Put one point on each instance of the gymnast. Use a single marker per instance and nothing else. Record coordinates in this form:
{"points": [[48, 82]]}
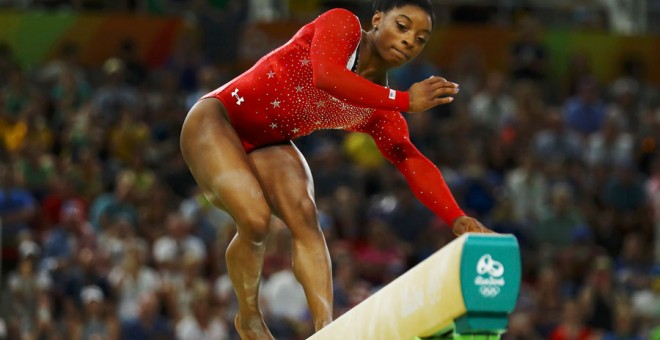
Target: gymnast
{"points": [[237, 140]]}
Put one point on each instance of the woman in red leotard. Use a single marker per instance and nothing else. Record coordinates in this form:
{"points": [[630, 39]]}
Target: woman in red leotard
{"points": [[330, 75]]}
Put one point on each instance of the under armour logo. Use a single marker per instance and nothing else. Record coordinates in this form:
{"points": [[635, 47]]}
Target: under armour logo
{"points": [[239, 99], [486, 264]]}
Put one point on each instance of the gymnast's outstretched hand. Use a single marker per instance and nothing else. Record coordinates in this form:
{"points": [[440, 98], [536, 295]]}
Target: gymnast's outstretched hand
{"points": [[465, 224], [431, 92]]}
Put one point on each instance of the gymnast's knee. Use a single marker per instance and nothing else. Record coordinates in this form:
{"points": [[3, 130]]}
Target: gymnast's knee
{"points": [[306, 208], [253, 222], [254, 226]]}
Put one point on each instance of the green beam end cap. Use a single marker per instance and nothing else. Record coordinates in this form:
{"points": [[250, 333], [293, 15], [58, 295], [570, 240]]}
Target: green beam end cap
{"points": [[490, 274]]}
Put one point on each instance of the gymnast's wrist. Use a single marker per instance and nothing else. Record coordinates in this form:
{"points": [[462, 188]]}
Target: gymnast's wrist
{"points": [[454, 217], [402, 100]]}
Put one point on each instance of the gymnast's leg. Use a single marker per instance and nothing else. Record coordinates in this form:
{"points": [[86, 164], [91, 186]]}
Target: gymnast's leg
{"points": [[220, 166], [287, 181]]}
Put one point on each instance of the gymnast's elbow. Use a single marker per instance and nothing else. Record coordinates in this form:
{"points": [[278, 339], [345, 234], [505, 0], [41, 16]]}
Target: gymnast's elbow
{"points": [[322, 77], [398, 153]]}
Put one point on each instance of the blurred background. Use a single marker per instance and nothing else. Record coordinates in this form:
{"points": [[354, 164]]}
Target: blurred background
{"points": [[555, 137]]}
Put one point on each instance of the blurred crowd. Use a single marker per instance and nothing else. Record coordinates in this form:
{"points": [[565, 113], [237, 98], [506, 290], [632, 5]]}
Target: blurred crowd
{"points": [[105, 234], [616, 16]]}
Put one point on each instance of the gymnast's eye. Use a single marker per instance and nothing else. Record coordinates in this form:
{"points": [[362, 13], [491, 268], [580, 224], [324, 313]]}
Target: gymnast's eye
{"points": [[401, 27]]}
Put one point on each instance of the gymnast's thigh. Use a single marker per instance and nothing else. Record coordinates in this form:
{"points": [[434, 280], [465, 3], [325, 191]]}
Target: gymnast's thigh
{"points": [[216, 158]]}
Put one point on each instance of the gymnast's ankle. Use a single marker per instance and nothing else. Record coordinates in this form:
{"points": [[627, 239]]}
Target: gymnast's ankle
{"points": [[252, 327]]}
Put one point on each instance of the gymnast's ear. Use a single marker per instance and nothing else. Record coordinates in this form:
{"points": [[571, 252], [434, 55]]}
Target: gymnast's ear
{"points": [[376, 20]]}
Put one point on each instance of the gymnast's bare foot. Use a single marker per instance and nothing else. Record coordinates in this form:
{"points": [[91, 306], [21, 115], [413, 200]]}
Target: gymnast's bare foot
{"points": [[252, 328]]}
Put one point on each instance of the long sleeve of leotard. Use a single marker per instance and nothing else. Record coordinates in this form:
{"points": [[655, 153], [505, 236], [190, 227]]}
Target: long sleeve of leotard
{"points": [[390, 132], [337, 34]]}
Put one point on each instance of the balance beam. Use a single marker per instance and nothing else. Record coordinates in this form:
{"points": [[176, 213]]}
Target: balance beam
{"points": [[467, 288]]}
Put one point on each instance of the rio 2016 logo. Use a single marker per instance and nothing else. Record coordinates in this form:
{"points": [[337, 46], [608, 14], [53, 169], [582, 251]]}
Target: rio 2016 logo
{"points": [[489, 276]]}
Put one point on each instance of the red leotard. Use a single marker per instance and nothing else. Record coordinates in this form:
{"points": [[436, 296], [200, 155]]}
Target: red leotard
{"points": [[307, 85]]}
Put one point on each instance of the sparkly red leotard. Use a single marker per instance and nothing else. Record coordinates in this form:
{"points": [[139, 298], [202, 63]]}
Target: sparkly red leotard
{"points": [[307, 85]]}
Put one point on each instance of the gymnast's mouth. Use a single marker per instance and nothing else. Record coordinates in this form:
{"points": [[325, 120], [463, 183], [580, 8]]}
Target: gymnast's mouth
{"points": [[400, 53]]}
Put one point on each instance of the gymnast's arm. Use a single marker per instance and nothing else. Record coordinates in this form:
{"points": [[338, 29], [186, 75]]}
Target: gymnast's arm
{"points": [[337, 34], [390, 132]]}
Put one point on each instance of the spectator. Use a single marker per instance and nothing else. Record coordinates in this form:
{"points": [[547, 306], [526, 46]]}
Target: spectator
{"points": [[529, 57], [67, 62], [145, 178], [625, 326], [69, 94], [207, 79], [521, 327], [136, 71], [180, 290], [345, 277], [585, 112], [19, 95], [90, 268], [632, 268], [30, 303], [549, 299], [202, 323], [107, 208], [558, 224], [157, 202], [62, 243], [148, 323], [597, 299], [626, 106], [493, 105], [19, 100], [96, 322], [36, 169], [556, 143], [579, 67], [171, 248], [528, 116], [478, 184], [129, 137], [609, 146], [210, 223], [572, 325], [186, 58], [88, 171], [645, 304], [61, 190], [382, 257], [527, 187], [653, 193], [623, 189], [17, 208], [407, 218], [135, 283], [286, 303], [503, 221], [114, 94], [468, 69]]}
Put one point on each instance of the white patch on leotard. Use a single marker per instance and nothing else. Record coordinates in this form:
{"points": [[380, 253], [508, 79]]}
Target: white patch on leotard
{"points": [[352, 60]]}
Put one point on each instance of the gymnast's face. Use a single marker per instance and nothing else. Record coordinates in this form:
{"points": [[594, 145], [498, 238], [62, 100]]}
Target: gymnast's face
{"points": [[401, 33]]}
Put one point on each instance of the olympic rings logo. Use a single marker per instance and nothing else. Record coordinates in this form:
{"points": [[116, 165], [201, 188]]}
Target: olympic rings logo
{"points": [[489, 291], [487, 265]]}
